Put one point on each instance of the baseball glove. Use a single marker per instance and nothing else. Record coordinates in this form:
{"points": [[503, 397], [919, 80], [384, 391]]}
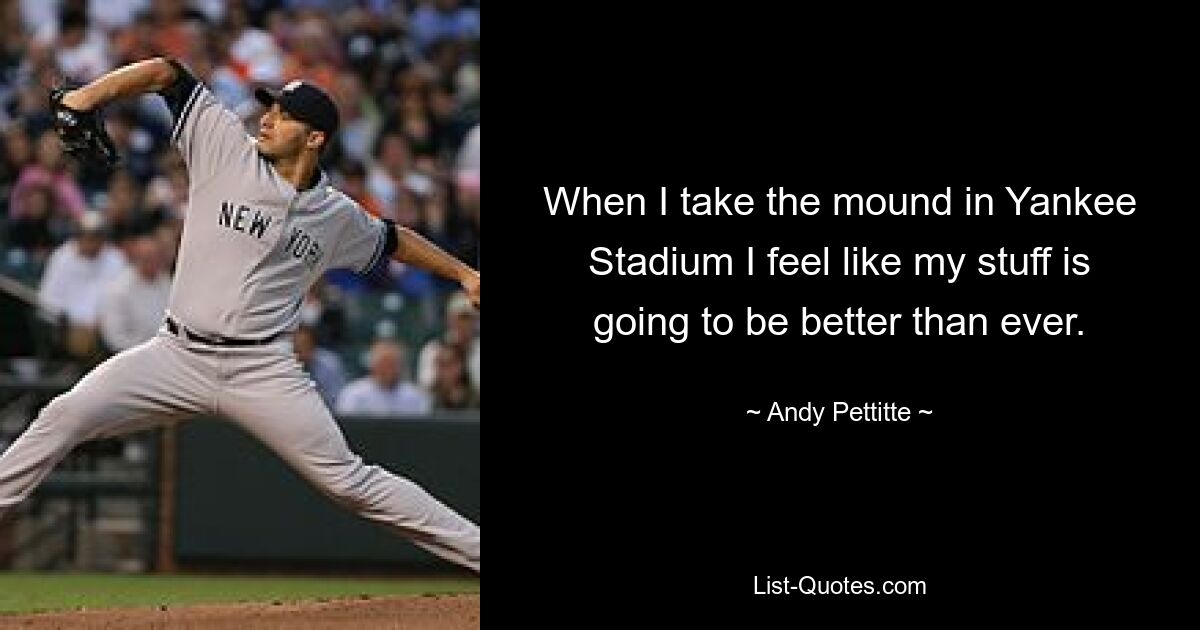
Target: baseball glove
{"points": [[82, 133]]}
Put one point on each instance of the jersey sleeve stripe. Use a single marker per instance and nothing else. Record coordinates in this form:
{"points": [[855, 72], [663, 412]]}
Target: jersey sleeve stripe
{"points": [[391, 242], [187, 109]]}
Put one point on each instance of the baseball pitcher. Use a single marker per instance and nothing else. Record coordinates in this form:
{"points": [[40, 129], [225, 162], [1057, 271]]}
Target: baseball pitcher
{"points": [[262, 224]]}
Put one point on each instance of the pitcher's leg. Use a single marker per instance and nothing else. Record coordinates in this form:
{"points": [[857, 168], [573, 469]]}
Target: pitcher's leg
{"points": [[298, 427], [58, 428], [133, 390]]}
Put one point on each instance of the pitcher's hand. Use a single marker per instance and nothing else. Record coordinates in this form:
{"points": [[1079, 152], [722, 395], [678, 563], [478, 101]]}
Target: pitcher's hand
{"points": [[470, 284]]}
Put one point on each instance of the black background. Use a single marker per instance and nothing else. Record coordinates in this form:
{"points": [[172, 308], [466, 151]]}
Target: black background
{"points": [[630, 486]]}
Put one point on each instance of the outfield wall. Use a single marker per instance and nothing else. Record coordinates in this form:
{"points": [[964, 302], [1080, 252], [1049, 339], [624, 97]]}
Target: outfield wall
{"points": [[236, 502]]}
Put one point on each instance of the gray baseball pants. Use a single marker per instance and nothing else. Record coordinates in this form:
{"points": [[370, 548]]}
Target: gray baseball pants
{"points": [[264, 391]]}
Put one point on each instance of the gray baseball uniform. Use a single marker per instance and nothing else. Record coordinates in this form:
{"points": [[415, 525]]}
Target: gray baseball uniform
{"points": [[252, 245]]}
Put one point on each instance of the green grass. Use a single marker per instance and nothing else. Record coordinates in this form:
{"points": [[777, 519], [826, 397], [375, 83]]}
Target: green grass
{"points": [[42, 592]]}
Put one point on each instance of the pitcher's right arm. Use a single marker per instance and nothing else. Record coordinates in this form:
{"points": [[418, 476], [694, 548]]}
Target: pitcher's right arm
{"points": [[208, 135], [150, 75]]}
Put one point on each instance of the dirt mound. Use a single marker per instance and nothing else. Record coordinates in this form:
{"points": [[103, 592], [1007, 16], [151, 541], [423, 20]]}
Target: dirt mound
{"points": [[440, 612]]}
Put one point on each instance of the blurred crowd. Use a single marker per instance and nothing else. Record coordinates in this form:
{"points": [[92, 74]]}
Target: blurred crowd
{"points": [[405, 75]]}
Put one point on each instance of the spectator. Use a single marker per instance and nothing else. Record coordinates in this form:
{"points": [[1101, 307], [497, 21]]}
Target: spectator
{"points": [[443, 19], [362, 120], [408, 209], [137, 41], [74, 281], [442, 225], [168, 191], [418, 129], [392, 174], [280, 25], [213, 11], [18, 152], [114, 15], [41, 228], [373, 45], [466, 181], [253, 53], [435, 221], [451, 389], [211, 65], [462, 332], [133, 305], [323, 311], [119, 207], [467, 169], [312, 55], [445, 58], [17, 155], [49, 171], [322, 365], [413, 80], [354, 184], [449, 126], [168, 234], [81, 52], [37, 13], [31, 107], [384, 392], [466, 83], [412, 281], [174, 36], [134, 141], [123, 210]]}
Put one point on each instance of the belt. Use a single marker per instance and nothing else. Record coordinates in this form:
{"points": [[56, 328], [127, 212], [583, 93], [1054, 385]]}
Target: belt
{"points": [[180, 331]]}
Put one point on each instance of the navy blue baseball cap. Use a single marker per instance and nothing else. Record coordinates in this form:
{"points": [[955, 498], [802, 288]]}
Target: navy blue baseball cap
{"points": [[305, 102]]}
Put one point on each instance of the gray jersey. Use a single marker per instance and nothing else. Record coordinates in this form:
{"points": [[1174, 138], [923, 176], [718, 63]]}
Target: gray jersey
{"points": [[252, 244]]}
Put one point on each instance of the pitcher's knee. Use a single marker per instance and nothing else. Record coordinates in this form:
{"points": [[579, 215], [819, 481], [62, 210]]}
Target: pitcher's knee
{"points": [[348, 486], [364, 489]]}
